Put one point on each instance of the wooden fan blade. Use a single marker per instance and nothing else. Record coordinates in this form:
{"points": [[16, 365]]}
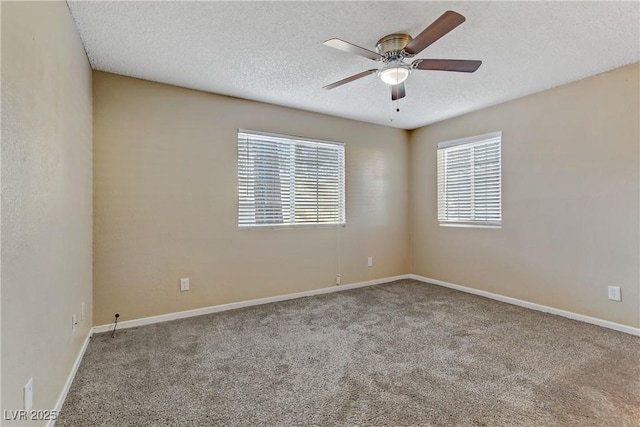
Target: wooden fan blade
{"points": [[460, 65], [349, 79], [397, 91], [352, 48], [441, 26]]}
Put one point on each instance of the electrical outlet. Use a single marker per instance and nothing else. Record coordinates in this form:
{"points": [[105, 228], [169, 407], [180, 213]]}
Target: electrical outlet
{"points": [[614, 293], [370, 261], [74, 323], [184, 284], [338, 279], [28, 395]]}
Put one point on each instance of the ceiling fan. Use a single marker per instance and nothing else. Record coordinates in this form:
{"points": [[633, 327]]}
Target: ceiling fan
{"points": [[393, 49]]}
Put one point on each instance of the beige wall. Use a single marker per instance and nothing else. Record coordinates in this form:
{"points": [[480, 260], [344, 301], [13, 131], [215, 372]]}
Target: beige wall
{"points": [[165, 203], [571, 188], [46, 199]]}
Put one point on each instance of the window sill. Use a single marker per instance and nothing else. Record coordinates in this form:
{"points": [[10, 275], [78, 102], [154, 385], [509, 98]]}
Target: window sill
{"points": [[289, 226], [469, 225]]}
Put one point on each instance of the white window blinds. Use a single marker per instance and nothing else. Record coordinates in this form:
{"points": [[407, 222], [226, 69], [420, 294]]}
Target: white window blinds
{"points": [[285, 180], [470, 181]]}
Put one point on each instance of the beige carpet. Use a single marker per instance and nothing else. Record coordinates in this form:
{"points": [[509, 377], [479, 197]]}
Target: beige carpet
{"points": [[398, 354]]}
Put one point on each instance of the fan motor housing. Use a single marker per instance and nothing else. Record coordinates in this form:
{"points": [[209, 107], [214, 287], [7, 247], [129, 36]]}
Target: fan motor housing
{"points": [[392, 43]]}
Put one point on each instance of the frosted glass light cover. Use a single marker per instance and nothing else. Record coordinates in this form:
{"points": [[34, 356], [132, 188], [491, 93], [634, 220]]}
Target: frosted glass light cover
{"points": [[394, 75]]}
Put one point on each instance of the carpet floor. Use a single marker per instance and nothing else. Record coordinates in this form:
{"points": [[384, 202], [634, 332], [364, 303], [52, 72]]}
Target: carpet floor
{"points": [[399, 354]]}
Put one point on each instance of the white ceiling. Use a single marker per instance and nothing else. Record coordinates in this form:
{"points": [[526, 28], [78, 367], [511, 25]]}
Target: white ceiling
{"points": [[273, 51]]}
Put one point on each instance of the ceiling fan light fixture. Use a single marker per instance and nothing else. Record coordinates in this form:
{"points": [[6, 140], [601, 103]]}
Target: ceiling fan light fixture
{"points": [[394, 75], [393, 49]]}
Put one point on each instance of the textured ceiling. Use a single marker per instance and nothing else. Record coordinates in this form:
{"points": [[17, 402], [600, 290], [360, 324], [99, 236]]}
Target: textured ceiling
{"points": [[273, 51]]}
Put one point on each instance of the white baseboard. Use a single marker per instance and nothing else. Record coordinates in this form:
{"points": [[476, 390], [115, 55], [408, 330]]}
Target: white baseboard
{"points": [[539, 307], [231, 306], [71, 376], [234, 305]]}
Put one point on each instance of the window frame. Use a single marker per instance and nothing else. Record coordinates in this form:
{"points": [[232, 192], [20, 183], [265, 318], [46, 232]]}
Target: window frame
{"points": [[293, 225], [469, 141]]}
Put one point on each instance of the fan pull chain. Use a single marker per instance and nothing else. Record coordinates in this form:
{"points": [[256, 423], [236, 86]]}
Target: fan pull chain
{"points": [[397, 109]]}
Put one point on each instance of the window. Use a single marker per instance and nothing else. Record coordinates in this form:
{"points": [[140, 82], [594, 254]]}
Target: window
{"points": [[285, 180], [470, 181]]}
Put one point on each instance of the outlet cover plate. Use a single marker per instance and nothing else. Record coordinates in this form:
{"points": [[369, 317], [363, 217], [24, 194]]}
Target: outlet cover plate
{"points": [[614, 293], [28, 395], [184, 284]]}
